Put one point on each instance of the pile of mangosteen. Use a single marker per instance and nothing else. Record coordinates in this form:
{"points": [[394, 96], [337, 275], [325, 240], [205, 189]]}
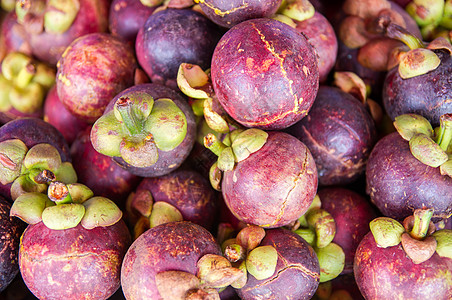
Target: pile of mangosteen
{"points": [[225, 149]]}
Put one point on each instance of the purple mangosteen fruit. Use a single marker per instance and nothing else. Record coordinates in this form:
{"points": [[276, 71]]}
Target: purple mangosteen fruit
{"points": [[173, 246], [340, 133], [352, 214], [228, 13], [186, 190], [51, 26], [127, 17], [14, 36], [171, 37], [56, 114], [148, 129], [74, 244], [265, 74], [103, 176], [405, 169], [269, 179], [409, 261], [10, 231], [92, 70]]}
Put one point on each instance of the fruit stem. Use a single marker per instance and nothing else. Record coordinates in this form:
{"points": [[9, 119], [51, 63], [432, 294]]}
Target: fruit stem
{"points": [[59, 193], [421, 223], [124, 107], [25, 75], [213, 144], [445, 134], [40, 177], [397, 32]]}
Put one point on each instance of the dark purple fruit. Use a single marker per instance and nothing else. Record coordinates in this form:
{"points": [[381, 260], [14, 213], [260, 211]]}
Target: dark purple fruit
{"points": [[73, 263], [297, 270], [175, 246], [83, 83], [10, 231], [265, 74], [171, 37], [228, 13], [340, 133]]}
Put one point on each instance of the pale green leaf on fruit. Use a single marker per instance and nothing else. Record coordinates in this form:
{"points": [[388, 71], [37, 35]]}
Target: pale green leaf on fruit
{"points": [[215, 176], [239, 283], [307, 234], [213, 119], [63, 216], [299, 10], [29, 207], [100, 212], [407, 125], [261, 262], [322, 222], [42, 156], [331, 261], [12, 153], [426, 12], [23, 185], [163, 212], [209, 262], [79, 192], [446, 20], [446, 168], [137, 106], [226, 160], [427, 151], [5, 88], [8, 5], [139, 153], [167, 123], [13, 63], [107, 135], [284, 19], [189, 80], [444, 242], [66, 173], [418, 62], [387, 232], [151, 3], [60, 15], [28, 99], [248, 142], [45, 76]]}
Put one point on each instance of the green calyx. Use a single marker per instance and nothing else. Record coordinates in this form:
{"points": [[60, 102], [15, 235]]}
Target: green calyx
{"points": [[432, 147], [432, 16], [299, 10], [30, 14], [65, 206], [138, 128], [151, 3], [24, 83], [32, 170], [60, 14], [331, 261]]}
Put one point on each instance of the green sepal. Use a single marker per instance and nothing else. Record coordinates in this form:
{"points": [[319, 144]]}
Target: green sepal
{"points": [[407, 125], [387, 232], [23, 185], [163, 212], [12, 153], [107, 135], [66, 173], [418, 62], [444, 242], [100, 212], [261, 262], [60, 15], [79, 192], [248, 142], [226, 160], [64, 216], [42, 156], [29, 207], [190, 78], [331, 261], [427, 151]]}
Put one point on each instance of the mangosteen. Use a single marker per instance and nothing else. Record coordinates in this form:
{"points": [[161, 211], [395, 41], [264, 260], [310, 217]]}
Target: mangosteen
{"points": [[92, 70], [228, 13], [265, 74], [148, 129], [14, 36], [409, 261], [173, 36]]}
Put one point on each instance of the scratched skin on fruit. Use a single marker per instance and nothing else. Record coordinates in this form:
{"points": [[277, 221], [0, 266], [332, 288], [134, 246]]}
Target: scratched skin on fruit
{"points": [[265, 74], [297, 270], [171, 246], [273, 186], [73, 263], [388, 273]]}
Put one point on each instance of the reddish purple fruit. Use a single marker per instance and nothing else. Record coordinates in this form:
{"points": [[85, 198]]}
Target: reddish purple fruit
{"points": [[14, 36], [340, 133], [73, 263], [265, 74], [273, 186], [173, 246], [297, 270], [83, 83], [228, 13]]}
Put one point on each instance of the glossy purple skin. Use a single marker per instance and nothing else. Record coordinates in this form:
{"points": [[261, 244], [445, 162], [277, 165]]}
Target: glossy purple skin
{"points": [[228, 13], [73, 263], [428, 95], [398, 183], [320, 33], [168, 160], [57, 114], [93, 69], [127, 17], [340, 133], [388, 273], [265, 74], [171, 37], [99, 172], [188, 191], [297, 270], [33, 131], [92, 17], [170, 246], [352, 214], [11, 229], [275, 185]]}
